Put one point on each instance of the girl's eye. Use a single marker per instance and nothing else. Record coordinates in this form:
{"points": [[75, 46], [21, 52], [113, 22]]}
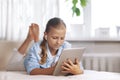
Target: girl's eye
{"points": [[54, 37], [62, 38]]}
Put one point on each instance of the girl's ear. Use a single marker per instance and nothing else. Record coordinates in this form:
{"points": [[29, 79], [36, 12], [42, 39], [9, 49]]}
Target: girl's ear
{"points": [[45, 35]]}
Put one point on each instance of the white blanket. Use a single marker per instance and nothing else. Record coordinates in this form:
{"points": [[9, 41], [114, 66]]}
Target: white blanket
{"points": [[88, 75]]}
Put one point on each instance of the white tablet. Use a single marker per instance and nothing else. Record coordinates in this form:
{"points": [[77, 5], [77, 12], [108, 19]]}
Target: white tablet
{"points": [[71, 53]]}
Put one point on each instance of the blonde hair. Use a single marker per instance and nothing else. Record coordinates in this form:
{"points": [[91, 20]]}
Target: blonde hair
{"points": [[52, 23], [43, 52]]}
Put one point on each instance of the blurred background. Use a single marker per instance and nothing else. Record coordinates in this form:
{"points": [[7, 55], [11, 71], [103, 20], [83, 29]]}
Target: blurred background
{"points": [[97, 28]]}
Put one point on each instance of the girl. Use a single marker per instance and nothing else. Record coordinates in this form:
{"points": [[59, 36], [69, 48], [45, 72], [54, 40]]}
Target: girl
{"points": [[44, 54]]}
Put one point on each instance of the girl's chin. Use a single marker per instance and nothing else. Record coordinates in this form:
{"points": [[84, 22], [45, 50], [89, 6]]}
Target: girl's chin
{"points": [[56, 48]]}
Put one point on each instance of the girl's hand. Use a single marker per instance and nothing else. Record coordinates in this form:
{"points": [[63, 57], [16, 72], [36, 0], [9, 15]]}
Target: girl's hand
{"points": [[73, 68], [33, 33]]}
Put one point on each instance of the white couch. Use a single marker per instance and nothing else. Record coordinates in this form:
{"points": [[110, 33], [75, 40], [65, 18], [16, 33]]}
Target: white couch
{"points": [[6, 48]]}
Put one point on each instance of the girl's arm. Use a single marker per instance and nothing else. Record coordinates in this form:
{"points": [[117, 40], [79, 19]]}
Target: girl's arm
{"points": [[32, 66], [45, 71]]}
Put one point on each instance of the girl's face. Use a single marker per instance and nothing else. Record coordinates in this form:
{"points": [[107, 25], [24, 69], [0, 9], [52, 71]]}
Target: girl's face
{"points": [[55, 37]]}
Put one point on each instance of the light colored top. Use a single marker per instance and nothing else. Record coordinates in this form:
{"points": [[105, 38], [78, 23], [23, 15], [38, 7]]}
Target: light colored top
{"points": [[32, 59]]}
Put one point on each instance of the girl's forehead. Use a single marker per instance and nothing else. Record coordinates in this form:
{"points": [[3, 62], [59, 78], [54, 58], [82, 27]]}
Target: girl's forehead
{"points": [[60, 31]]}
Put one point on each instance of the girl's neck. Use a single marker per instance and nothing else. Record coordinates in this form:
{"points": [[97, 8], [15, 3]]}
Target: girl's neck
{"points": [[53, 51]]}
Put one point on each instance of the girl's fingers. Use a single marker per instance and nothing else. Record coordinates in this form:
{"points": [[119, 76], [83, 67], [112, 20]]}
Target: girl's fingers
{"points": [[70, 62], [76, 61], [65, 68], [66, 64]]}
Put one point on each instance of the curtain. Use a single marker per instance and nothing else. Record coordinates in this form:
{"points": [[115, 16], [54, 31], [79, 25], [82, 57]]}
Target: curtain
{"points": [[17, 15]]}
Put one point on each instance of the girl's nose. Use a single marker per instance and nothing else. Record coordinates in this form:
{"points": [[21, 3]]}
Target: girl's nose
{"points": [[58, 41]]}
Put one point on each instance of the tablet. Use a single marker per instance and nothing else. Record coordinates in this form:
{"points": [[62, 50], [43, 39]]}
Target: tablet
{"points": [[70, 53]]}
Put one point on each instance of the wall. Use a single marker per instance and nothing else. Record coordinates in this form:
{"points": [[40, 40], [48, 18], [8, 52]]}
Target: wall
{"points": [[94, 45]]}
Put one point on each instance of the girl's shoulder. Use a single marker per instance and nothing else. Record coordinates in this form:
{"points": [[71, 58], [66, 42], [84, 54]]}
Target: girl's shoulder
{"points": [[36, 45], [35, 48]]}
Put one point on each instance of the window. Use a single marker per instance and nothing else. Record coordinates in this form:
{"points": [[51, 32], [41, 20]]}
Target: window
{"points": [[74, 23], [97, 14], [65, 12], [105, 14]]}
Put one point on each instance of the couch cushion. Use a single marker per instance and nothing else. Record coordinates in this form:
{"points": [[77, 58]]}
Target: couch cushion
{"points": [[6, 48]]}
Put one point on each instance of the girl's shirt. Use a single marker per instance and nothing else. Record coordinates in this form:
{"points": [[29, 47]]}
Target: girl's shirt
{"points": [[33, 57]]}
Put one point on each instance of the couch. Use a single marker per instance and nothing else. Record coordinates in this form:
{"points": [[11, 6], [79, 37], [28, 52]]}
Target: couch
{"points": [[6, 48]]}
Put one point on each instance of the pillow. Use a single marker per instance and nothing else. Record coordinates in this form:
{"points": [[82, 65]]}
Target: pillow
{"points": [[15, 62]]}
